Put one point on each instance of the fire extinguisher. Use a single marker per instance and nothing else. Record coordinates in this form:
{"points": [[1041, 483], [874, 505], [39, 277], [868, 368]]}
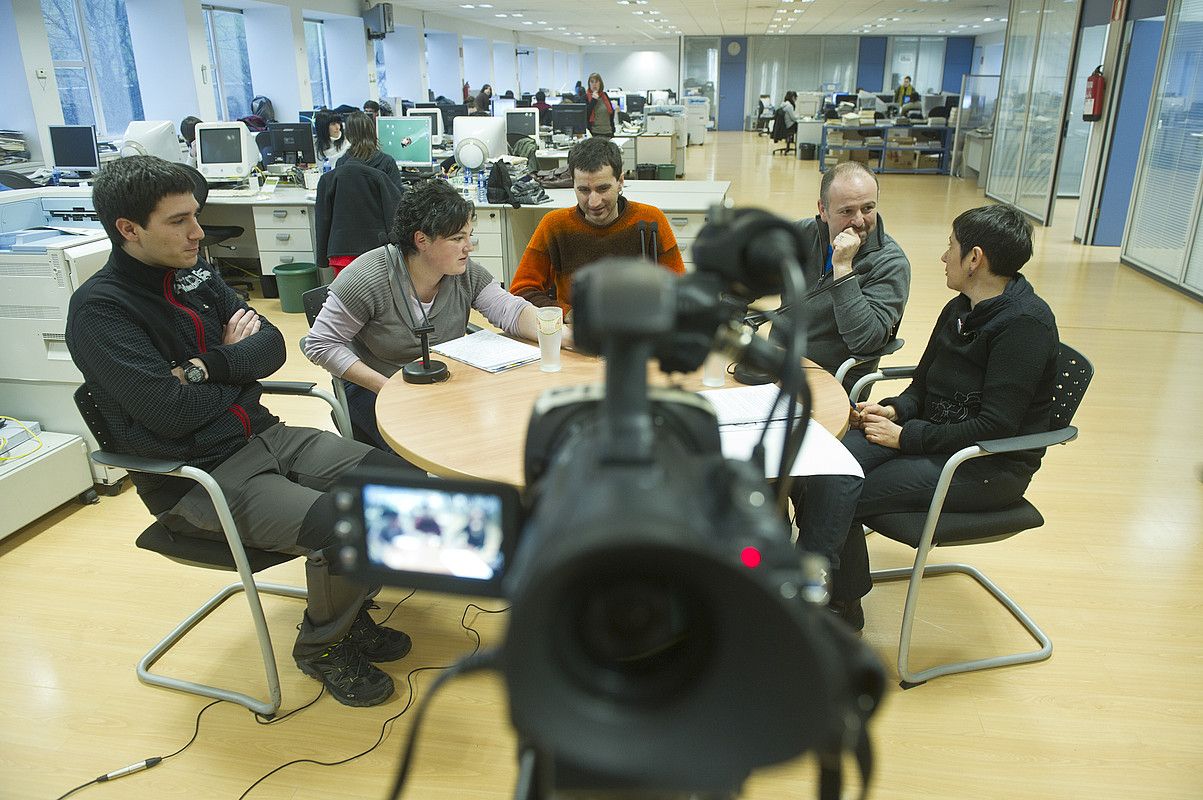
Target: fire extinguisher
{"points": [[1096, 87]]}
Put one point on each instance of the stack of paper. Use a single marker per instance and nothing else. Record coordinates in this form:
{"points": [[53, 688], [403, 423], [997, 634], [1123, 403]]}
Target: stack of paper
{"points": [[741, 414], [488, 351]]}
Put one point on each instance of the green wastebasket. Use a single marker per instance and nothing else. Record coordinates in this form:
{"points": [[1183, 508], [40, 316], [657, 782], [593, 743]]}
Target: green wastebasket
{"points": [[666, 172], [293, 280]]}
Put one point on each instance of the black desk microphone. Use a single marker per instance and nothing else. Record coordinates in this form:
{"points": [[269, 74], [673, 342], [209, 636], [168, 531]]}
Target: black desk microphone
{"points": [[425, 371]]}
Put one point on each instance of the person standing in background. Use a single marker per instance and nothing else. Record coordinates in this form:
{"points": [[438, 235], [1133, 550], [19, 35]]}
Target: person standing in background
{"points": [[600, 108], [906, 93]]}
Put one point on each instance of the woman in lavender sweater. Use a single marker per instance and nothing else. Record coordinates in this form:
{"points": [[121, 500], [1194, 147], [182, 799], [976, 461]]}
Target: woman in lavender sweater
{"points": [[365, 331]]}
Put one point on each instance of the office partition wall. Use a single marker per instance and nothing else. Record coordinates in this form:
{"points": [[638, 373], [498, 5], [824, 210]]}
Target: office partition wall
{"points": [[1041, 38], [1162, 234]]}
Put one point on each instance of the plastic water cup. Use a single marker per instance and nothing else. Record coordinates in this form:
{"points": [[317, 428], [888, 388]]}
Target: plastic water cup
{"points": [[551, 331], [714, 370]]}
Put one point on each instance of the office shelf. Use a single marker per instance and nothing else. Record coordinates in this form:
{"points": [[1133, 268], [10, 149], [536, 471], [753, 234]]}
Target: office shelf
{"points": [[914, 155]]}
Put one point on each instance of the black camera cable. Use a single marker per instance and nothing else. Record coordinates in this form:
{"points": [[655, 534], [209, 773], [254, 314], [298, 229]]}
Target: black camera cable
{"points": [[409, 680]]}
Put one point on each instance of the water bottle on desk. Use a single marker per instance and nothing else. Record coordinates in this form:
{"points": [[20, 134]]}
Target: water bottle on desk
{"points": [[482, 187], [55, 177]]}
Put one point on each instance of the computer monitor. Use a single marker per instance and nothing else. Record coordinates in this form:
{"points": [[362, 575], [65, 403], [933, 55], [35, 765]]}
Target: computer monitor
{"points": [[426, 105], [479, 139], [225, 151], [450, 113], [845, 98], [570, 118], [502, 105], [152, 138], [524, 101], [521, 122], [619, 101], [406, 140], [74, 148], [635, 103], [292, 143], [660, 97], [931, 101], [436, 121]]}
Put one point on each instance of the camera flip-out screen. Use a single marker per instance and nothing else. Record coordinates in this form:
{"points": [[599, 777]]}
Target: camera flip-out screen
{"points": [[429, 533]]}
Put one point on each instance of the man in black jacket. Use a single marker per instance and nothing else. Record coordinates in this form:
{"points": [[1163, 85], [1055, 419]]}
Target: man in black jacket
{"points": [[173, 359]]}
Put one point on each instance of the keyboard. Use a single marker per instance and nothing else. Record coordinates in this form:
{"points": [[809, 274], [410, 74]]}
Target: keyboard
{"points": [[245, 191]]}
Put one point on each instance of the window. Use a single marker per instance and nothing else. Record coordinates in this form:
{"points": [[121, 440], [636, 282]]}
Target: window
{"points": [[93, 63], [381, 83], [319, 70], [229, 65]]}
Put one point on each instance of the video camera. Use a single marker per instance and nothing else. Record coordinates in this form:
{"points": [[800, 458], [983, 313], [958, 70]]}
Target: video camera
{"points": [[665, 636]]}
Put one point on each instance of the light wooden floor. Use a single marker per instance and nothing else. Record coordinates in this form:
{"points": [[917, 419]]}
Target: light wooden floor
{"points": [[1115, 577]]}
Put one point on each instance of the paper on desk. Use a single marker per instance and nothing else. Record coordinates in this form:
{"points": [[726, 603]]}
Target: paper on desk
{"points": [[744, 405], [821, 453], [489, 351]]}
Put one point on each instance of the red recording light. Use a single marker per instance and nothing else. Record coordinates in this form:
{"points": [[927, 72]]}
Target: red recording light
{"points": [[750, 556]]}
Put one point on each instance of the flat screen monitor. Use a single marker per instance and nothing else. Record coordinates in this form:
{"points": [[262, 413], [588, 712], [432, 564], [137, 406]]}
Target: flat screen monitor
{"points": [[292, 143], [502, 105], [152, 138], [524, 102], [426, 105], [74, 148], [478, 140], [845, 98], [660, 97], [635, 103], [522, 122], [931, 101], [436, 121], [450, 113], [570, 118], [405, 139], [225, 151]]}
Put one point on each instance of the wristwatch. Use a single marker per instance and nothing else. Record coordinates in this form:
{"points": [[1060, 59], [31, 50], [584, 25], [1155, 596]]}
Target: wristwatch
{"points": [[193, 373]]}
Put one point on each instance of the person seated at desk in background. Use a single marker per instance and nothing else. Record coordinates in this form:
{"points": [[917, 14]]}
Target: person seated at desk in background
{"points": [[363, 146], [366, 330], [789, 111], [172, 358], [599, 107], [603, 223], [328, 136], [988, 372], [482, 104], [906, 93], [371, 108], [188, 131], [541, 104]]}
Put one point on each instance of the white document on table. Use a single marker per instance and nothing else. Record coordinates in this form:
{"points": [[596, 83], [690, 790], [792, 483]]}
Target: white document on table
{"points": [[741, 414], [489, 351]]}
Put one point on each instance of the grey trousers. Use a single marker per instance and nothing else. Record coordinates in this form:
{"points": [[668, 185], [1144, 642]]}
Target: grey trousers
{"points": [[276, 487]]}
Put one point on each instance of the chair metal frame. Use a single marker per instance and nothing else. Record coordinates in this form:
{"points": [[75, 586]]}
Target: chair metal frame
{"points": [[246, 583], [855, 360], [920, 569]]}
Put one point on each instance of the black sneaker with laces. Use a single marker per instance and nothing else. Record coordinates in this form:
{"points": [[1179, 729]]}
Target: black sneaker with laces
{"points": [[376, 642], [348, 675]]}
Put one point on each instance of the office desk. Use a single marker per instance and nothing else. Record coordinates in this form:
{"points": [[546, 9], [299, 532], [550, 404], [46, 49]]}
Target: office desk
{"points": [[474, 424], [279, 227]]}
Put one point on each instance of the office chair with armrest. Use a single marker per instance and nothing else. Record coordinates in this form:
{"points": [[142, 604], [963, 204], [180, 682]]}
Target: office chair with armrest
{"points": [[231, 555], [15, 180], [781, 132], [217, 235], [937, 528], [857, 359]]}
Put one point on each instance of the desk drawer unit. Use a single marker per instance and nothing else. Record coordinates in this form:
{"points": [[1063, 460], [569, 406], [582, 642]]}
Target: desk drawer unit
{"points": [[487, 221], [284, 235], [685, 227], [495, 265]]}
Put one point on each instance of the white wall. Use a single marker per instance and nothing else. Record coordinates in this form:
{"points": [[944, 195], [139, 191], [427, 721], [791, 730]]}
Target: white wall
{"points": [[444, 70], [646, 68], [505, 68], [403, 58], [478, 64], [279, 68], [159, 33], [32, 103], [988, 53], [348, 61]]}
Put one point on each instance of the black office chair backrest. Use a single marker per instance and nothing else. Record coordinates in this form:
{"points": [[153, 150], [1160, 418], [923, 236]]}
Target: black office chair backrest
{"points": [[1074, 372], [86, 404], [15, 180], [313, 300]]}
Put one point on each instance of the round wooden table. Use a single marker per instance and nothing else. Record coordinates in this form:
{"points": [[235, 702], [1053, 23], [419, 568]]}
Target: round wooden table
{"points": [[473, 425]]}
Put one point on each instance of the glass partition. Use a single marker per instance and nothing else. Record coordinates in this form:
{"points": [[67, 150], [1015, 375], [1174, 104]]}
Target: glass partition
{"points": [[701, 68], [1023, 27]]}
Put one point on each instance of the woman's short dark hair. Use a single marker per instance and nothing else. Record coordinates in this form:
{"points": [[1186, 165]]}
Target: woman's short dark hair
{"points": [[360, 130], [131, 188], [1002, 231], [188, 128], [431, 207], [594, 153]]}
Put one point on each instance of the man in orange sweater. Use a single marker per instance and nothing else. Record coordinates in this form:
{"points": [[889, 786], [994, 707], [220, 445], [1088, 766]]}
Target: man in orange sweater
{"points": [[603, 223]]}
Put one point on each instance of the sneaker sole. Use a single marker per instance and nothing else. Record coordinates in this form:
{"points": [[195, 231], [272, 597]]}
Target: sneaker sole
{"points": [[356, 702]]}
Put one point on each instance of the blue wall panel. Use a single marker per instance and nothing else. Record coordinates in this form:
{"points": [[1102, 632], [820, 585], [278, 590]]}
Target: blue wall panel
{"points": [[871, 66], [732, 72], [958, 61]]}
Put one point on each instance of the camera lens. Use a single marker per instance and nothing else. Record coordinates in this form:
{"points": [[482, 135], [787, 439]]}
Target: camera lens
{"points": [[638, 636]]}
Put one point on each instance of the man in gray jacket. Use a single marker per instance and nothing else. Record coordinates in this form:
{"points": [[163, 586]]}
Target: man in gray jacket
{"points": [[857, 277]]}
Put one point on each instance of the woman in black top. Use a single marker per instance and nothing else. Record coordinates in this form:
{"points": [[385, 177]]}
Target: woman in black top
{"points": [[988, 372], [360, 132]]}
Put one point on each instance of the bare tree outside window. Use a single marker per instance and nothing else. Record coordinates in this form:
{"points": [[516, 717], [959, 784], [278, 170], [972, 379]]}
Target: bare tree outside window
{"points": [[319, 70], [381, 86], [93, 63], [228, 62]]}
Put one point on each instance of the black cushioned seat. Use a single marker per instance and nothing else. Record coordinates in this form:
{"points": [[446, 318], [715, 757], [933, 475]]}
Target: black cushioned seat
{"points": [[197, 552], [964, 528]]}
